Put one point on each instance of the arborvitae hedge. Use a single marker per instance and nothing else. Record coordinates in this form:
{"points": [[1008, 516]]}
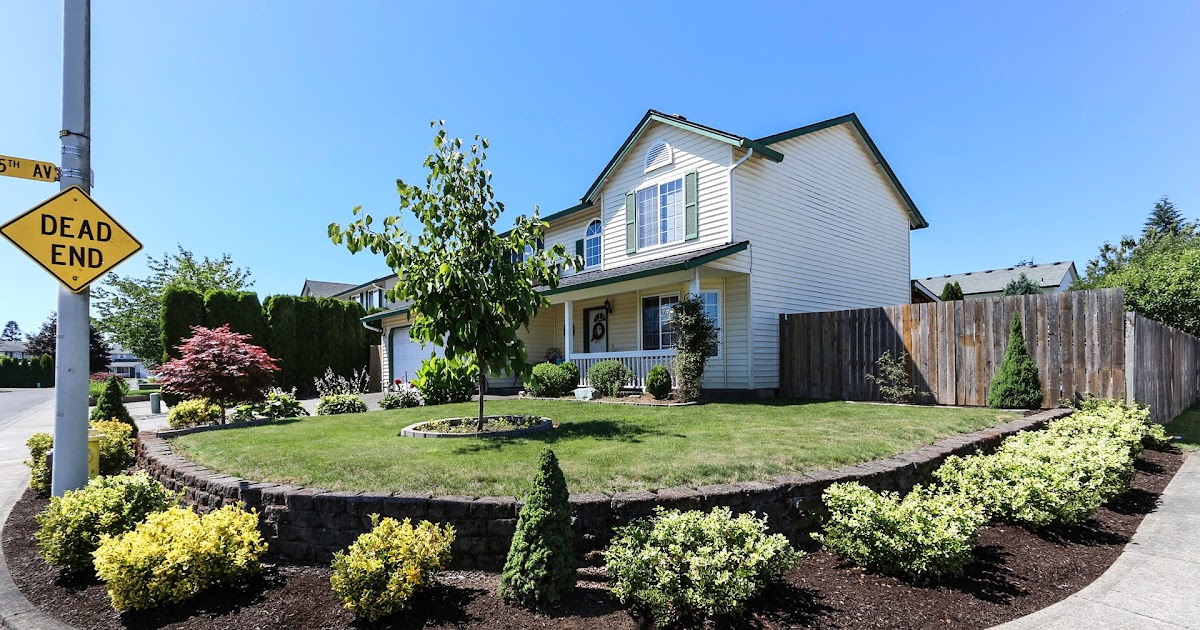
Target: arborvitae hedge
{"points": [[306, 335], [541, 565], [280, 313], [1016, 384], [182, 308], [239, 309], [31, 372]]}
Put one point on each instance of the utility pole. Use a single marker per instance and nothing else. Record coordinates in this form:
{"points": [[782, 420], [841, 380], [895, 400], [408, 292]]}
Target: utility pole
{"points": [[70, 467]]}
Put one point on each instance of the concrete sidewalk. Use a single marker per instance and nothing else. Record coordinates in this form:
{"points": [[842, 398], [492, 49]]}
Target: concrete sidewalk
{"points": [[1155, 584]]}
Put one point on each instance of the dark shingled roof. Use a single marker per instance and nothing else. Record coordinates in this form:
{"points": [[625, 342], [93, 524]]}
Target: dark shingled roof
{"points": [[317, 288], [655, 266], [1046, 275]]}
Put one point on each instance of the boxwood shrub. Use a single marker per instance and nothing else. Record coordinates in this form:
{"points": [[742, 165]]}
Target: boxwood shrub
{"points": [[609, 376], [658, 382], [683, 567], [385, 568], [550, 380]]}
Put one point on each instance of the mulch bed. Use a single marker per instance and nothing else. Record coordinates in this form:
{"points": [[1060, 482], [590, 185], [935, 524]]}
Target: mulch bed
{"points": [[1016, 573]]}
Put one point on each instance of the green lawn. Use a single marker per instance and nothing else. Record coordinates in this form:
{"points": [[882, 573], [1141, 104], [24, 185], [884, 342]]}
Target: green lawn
{"points": [[601, 447], [1187, 426]]}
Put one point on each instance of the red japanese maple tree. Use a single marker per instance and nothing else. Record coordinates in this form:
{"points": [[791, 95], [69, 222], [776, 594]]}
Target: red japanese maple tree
{"points": [[220, 365]]}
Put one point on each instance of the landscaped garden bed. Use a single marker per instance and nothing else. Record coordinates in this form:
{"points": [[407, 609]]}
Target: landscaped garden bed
{"points": [[1015, 572], [493, 427]]}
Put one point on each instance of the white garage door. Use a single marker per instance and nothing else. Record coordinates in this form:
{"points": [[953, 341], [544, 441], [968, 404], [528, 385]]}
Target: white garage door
{"points": [[408, 355]]}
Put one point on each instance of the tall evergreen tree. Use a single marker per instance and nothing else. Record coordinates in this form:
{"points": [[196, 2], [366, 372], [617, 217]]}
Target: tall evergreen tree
{"points": [[541, 566], [1016, 384], [45, 341], [1023, 285], [1166, 220], [12, 332], [952, 291]]}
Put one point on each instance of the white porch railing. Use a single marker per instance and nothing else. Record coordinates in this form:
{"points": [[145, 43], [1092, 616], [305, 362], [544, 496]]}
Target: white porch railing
{"points": [[640, 361]]}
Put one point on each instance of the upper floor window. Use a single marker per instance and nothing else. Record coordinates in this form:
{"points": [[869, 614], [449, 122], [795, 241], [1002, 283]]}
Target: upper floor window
{"points": [[660, 213], [591, 244], [659, 154]]}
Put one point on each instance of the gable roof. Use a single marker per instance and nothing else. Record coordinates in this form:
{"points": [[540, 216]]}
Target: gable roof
{"points": [[12, 346], [916, 219], [1047, 275], [318, 288]]}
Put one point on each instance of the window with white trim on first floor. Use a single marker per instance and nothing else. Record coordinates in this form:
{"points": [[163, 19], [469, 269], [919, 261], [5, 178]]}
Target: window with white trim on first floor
{"points": [[660, 213], [657, 331]]}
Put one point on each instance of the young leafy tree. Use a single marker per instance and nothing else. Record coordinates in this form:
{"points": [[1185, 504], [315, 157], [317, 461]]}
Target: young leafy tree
{"points": [[540, 568], [1016, 384], [130, 308], [220, 365], [110, 404], [46, 342], [1023, 285], [952, 291], [470, 287], [12, 332], [695, 341]]}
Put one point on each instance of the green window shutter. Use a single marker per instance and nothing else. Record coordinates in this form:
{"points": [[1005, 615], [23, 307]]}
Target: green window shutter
{"points": [[579, 247], [691, 207], [630, 223]]}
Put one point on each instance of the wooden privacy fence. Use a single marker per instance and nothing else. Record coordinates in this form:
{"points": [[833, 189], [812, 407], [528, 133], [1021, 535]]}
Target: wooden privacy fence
{"points": [[1083, 342]]}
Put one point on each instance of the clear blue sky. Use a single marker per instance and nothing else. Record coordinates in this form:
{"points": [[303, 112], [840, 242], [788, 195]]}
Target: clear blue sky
{"points": [[1028, 129]]}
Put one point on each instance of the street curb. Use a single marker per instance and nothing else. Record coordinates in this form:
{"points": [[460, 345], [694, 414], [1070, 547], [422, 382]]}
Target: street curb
{"points": [[16, 612]]}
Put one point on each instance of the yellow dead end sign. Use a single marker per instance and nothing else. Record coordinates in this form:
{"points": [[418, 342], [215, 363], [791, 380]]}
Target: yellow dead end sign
{"points": [[72, 237]]}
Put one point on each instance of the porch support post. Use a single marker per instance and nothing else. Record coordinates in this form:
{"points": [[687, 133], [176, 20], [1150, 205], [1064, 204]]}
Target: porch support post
{"points": [[568, 326], [694, 285]]}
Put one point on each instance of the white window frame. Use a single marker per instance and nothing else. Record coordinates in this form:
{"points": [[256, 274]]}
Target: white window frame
{"points": [[641, 319], [659, 242], [720, 308], [599, 237]]}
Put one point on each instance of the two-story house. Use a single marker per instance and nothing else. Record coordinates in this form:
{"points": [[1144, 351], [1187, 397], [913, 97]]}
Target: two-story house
{"points": [[809, 219]]}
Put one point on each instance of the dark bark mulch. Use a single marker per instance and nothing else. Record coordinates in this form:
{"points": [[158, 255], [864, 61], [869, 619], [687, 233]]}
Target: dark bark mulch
{"points": [[1016, 573]]}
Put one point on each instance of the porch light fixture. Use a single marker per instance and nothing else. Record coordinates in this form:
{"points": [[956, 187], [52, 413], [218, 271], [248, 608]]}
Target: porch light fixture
{"points": [[607, 307]]}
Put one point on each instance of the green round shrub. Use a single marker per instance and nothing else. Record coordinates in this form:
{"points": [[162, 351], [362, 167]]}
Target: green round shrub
{"points": [[335, 404], [194, 412], [550, 380], [70, 528], [682, 567], [609, 376], [658, 382], [442, 380], [572, 375], [381, 571]]}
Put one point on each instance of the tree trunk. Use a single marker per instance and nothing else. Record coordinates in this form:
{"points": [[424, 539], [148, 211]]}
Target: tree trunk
{"points": [[479, 425]]}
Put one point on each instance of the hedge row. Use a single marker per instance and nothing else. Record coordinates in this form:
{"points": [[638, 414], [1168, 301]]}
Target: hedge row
{"points": [[304, 334], [28, 372]]}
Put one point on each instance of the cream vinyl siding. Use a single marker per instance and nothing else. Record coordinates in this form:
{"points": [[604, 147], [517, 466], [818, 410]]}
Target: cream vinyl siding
{"points": [[826, 233], [693, 152], [569, 229]]}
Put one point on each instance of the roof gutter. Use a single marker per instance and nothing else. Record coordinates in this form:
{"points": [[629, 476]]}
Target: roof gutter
{"points": [[749, 152]]}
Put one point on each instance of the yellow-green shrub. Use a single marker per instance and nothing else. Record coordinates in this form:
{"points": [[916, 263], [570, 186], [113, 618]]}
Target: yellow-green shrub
{"points": [[70, 528], [190, 413], [116, 445], [383, 569], [39, 469], [176, 554]]}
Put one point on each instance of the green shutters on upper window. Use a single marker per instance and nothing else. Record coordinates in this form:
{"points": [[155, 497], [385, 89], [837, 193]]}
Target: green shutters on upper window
{"points": [[630, 224], [579, 248], [691, 210]]}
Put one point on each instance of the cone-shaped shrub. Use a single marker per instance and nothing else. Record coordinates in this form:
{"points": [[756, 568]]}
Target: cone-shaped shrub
{"points": [[541, 566], [1016, 384], [952, 291], [110, 405]]}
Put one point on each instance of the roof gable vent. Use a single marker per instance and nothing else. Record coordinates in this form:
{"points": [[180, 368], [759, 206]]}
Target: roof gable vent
{"points": [[658, 155]]}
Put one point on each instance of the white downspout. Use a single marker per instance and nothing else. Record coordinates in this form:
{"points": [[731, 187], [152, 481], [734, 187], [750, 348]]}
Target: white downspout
{"points": [[749, 152], [749, 303]]}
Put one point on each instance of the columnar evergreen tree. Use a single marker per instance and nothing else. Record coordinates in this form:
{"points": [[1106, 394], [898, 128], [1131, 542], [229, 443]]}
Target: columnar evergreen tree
{"points": [[1023, 285], [1016, 384], [182, 308], [541, 567], [952, 291], [110, 405], [695, 341]]}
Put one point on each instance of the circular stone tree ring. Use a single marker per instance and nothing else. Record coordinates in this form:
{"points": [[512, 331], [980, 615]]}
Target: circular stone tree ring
{"points": [[458, 427]]}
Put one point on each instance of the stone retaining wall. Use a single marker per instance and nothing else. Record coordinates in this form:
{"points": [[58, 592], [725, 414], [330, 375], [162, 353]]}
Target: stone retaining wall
{"points": [[311, 524]]}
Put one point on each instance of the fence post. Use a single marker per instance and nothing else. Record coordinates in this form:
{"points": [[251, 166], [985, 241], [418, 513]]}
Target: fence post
{"points": [[1131, 360]]}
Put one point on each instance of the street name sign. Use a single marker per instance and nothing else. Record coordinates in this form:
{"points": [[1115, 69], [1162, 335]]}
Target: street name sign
{"points": [[28, 169], [72, 237]]}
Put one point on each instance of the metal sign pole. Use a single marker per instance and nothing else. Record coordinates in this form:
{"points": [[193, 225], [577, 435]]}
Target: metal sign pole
{"points": [[70, 466]]}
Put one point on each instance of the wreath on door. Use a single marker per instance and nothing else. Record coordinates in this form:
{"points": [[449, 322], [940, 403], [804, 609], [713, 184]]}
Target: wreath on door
{"points": [[598, 331]]}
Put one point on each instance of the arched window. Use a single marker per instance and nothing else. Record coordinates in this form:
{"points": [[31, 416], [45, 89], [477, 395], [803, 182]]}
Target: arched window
{"points": [[591, 244]]}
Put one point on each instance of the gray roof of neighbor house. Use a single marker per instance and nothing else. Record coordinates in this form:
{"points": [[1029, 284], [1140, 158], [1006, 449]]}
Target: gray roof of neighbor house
{"points": [[12, 346], [1047, 275], [317, 288]]}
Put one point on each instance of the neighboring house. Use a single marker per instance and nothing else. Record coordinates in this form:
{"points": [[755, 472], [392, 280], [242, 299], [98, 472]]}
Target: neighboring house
{"points": [[125, 364], [370, 294], [922, 295], [1053, 277], [12, 349], [811, 219], [317, 288]]}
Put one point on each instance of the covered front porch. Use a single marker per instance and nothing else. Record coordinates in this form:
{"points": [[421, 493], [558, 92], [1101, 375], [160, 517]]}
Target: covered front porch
{"points": [[624, 315]]}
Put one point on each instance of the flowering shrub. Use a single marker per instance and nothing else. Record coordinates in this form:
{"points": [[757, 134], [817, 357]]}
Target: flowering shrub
{"points": [[381, 571], [279, 404], [408, 396], [190, 413], [331, 384], [928, 534], [175, 554], [685, 566], [70, 528], [220, 365], [335, 404]]}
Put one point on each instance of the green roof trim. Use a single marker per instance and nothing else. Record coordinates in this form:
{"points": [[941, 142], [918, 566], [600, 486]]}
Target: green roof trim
{"points": [[917, 219], [645, 273], [384, 315], [569, 211]]}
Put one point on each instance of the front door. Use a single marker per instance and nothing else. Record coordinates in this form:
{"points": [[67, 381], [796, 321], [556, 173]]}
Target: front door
{"points": [[595, 338]]}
